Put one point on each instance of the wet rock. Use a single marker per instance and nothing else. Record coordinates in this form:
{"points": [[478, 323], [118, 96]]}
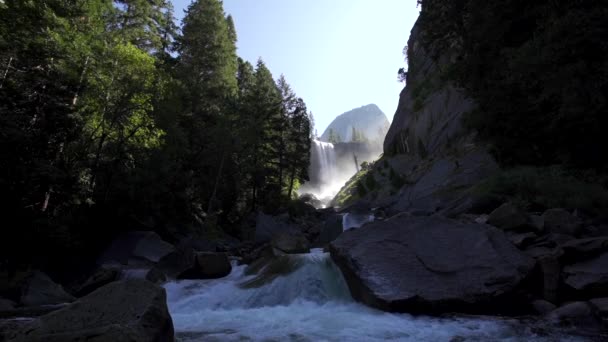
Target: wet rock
{"points": [[574, 312], [450, 266], [130, 310], [172, 264], [561, 221], [208, 265], [508, 217], [291, 243]]}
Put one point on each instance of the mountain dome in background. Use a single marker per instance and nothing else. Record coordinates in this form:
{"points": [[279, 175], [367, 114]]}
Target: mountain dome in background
{"points": [[369, 123]]}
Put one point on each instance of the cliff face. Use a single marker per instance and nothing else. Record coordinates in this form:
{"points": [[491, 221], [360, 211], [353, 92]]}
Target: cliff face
{"points": [[428, 118], [430, 160]]}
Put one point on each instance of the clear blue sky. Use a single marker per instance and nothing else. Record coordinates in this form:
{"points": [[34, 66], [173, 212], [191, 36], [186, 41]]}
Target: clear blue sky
{"points": [[336, 54]]}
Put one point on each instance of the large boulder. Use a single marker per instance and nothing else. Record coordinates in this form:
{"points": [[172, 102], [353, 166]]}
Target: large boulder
{"points": [[136, 249], [562, 222], [431, 265], [208, 265], [130, 310], [39, 289], [508, 217], [331, 229], [291, 243], [103, 275], [590, 277]]}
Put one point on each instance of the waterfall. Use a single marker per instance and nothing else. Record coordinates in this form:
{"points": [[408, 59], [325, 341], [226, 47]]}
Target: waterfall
{"points": [[323, 160], [326, 175]]}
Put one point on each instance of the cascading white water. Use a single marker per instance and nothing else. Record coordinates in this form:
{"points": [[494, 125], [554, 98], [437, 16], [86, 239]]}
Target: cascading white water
{"points": [[312, 304], [326, 157], [350, 220], [326, 175]]}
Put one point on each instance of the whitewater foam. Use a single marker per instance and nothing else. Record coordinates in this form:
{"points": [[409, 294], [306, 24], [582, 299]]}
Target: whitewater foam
{"points": [[313, 304]]}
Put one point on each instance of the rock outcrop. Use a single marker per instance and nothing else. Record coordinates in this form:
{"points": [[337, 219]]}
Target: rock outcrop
{"points": [[208, 265], [39, 289], [431, 265], [130, 310]]}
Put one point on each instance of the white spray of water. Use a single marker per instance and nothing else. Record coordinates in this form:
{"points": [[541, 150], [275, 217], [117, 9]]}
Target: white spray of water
{"points": [[350, 220], [311, 304], [329, 175]]}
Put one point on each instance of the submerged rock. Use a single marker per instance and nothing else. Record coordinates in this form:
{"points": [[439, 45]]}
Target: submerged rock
{"points": [[431, 265], [130, 310]]}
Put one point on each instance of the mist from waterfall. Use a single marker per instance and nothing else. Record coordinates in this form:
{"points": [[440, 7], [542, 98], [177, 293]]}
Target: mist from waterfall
{"points": [[327, 173]]}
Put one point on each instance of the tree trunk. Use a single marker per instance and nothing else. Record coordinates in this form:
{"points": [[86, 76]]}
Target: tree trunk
{"points": [[291, 179], [84, 70], [215, 186], [8, 66]]}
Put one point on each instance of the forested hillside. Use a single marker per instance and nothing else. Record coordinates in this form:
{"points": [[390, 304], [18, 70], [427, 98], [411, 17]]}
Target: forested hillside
{"points": [[113, 118]]}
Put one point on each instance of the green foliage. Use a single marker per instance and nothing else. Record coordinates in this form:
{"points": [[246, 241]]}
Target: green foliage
{"points": [[547, 187], [361, 190], [538, 71], [110, 121]]}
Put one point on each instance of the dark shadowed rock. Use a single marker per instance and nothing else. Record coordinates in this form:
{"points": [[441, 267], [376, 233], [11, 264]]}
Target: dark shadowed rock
{"points": [[173, 264], [581, 249], [550, 270], [521, 240], [508, 217], [291, 243], [267, 227], [136, 249], [130, 310], [537, 222], [208, 265], [332, 228], [105, 274], [38, 289], [543, 307], [571, 312], [589, 277], [6, 304], [561, 221], [430, 264], [600, 307]]}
